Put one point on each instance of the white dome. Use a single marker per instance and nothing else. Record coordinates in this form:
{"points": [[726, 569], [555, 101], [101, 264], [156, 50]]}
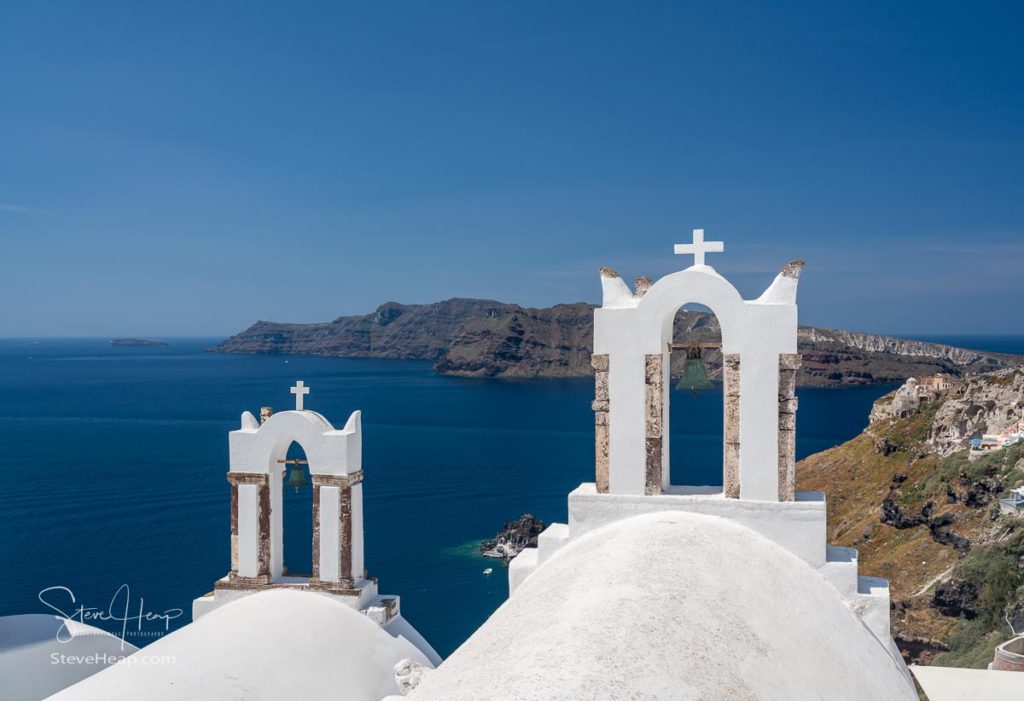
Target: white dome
{"points": [[671, 605], [41, 654], [276, 644]]}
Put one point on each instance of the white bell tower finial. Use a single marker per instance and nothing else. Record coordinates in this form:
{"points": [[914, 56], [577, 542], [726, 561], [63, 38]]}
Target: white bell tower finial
{"points": [[699, 247], [300, 391]]}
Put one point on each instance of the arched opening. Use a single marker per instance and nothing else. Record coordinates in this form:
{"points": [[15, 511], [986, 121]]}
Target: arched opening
{"points": [[694, 420], [294, 488]]}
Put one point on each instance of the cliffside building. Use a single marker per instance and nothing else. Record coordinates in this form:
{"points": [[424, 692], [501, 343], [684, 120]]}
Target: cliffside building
{"points": [[1013, 503]]}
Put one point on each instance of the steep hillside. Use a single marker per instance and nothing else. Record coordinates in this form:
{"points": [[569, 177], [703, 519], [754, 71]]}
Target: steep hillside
{"points": [[484, 338], [927, 519]]}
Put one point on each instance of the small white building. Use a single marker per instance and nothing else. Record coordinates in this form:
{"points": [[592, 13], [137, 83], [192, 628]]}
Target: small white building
{"points": [[1014, 503]]}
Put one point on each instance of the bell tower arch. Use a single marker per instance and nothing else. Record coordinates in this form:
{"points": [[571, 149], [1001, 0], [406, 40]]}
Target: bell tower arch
{"points": [[258, 452], [632, 342]]}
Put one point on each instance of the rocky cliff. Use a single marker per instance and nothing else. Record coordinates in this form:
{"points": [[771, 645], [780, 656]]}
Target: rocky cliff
{"points": [[927, 518], [484, 338], [986, 404]]}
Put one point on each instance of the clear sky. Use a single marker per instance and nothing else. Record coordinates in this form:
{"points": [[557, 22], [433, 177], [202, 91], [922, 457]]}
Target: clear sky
{"points": [[183, 169]]}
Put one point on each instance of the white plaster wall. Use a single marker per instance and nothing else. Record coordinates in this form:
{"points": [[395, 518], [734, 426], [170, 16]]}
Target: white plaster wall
{"points": [[248, 530], [757, 330], [328, 450], [798, 526], [330, 536], [357, 532]]}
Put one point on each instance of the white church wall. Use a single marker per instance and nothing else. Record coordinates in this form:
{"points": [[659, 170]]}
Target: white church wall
{"points": [[257, 451], [632, 344], [799, 526], [330, 537], [630, 329], [248, 530]]}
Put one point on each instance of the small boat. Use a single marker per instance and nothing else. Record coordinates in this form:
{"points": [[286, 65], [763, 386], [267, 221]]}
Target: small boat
{"points": [[488, 571]]}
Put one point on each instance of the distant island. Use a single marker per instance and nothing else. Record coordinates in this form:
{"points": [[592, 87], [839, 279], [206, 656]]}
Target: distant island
{"points": [[137, 342], [485, 338]]}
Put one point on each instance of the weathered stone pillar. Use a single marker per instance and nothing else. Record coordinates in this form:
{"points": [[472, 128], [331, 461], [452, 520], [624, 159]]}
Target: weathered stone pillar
{"points": [[315, 574], [731, 430], [347, 579], [654, 407], [789, 363], [337, 532], [600, 407], [250, 528], [234, 526]]}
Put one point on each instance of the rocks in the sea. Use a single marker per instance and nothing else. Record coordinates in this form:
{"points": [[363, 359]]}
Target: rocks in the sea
{"points": [[513, 538]]}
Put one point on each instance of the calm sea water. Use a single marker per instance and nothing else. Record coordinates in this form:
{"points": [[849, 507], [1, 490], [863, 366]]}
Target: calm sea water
{"points": [[994, 344], [115, 461]]}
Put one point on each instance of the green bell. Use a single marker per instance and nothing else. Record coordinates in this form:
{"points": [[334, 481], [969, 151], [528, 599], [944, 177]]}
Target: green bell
{"points": [[695, 373], [296, 477]]}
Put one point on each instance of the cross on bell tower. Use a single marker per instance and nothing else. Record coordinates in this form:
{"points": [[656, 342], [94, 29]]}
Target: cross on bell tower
{"points": [[300, 391], [699, 247]]}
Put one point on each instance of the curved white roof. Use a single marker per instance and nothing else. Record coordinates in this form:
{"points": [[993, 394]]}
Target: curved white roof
{"points": [[671, 605], [41, 654], [276, 644]]}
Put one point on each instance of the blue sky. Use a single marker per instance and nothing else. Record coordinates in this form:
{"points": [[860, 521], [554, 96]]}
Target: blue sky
{"points": [[186, 169]]}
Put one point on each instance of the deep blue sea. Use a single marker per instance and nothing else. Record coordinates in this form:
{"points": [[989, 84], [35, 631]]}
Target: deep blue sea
{"points": [[115, 462]]}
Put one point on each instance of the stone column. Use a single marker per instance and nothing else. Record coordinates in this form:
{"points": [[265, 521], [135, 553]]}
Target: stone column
{"points": [[337, 532], [731, 429], [234, 526], [654, 407], [600, 407], [250, 528], [789, 363], [315, 574]]}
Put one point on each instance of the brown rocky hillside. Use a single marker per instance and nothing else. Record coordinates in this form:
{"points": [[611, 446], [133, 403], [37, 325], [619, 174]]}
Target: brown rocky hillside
{"points": [[926, 518]]}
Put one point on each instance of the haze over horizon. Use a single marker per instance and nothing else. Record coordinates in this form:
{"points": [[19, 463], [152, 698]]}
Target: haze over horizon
{"points": [[185, 171]]}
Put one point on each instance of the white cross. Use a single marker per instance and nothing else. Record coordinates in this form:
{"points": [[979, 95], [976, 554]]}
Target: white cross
{"points": [[300, 391], [699, 247]]}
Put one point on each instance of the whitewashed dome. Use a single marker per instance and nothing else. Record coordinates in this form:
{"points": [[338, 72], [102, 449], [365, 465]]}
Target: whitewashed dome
{"points": [[272, 645], [41, 654], [671, 605]]}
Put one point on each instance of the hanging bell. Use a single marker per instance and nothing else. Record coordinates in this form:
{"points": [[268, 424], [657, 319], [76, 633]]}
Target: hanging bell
{"points": [[296, 477], [695, 373]]}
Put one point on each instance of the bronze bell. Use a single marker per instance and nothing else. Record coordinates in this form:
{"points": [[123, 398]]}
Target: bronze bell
{"points": [[695, 372], [296, 477]]}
